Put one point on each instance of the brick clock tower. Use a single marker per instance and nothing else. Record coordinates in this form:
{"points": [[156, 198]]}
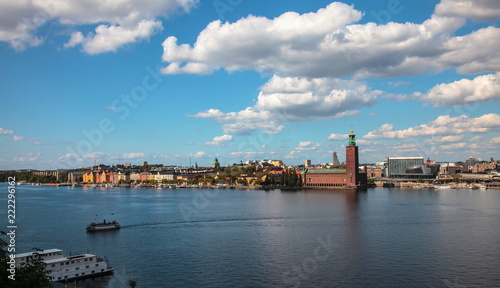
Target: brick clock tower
{"points": [[352, 161]]}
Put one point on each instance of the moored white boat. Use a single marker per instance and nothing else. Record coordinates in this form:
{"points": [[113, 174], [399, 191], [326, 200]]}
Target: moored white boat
{"points": [[62, 268], [442, 186]]}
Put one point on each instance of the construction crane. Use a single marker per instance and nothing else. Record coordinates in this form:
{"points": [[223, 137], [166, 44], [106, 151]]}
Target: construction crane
{"points": [[95, 161], [119, 160]]}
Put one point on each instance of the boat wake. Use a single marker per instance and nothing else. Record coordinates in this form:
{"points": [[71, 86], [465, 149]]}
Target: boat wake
{"points": [[204, 221]]}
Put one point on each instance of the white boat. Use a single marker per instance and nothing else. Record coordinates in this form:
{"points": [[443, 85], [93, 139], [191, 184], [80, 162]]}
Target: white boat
{"points": [[62, 268], [483, 187], [442, 187]]}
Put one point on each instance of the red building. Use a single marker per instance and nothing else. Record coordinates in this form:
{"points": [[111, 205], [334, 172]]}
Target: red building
{"points": [[350, 177]]}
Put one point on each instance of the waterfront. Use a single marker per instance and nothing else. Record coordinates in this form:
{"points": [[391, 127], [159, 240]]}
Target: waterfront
{"points": [[384, 237]]}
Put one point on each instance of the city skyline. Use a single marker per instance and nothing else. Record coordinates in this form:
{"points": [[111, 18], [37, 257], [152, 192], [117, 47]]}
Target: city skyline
{"points": [[169, 81]]}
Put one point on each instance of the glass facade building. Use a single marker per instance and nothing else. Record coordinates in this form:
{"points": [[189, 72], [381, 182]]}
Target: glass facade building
{"points": [[397, 166]]}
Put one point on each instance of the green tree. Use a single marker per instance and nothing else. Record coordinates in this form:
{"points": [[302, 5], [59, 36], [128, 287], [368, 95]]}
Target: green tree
{"points": [[32, 274]]}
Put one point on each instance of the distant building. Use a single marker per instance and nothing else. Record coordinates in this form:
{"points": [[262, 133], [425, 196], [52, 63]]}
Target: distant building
{"points": [[471, 161], [145, 163], [307, 163], [120, 176], [277, 163], [216, 163], [397, 166], [335, 161], [89, 177], [452, 169], [350, 177], [480, 168], [374, 172], [75, 177]]}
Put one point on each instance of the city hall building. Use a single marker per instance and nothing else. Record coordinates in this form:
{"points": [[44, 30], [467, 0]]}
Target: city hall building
{"points": [[345, 178]]}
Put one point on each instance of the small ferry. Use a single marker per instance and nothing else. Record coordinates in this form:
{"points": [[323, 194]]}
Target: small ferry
{"points": [[62, 268], [103, 226]]}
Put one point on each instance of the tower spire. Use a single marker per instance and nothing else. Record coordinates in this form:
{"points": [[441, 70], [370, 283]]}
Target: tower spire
{"points": [[352, 138]]}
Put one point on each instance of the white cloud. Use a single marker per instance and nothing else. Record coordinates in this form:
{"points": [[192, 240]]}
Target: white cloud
{"points": [[30, 157], [297, 99], [243, 122], [75, 39], [328, 44], [17, 138], [495, 140], [478, 10], [256, 40], [472, 53], [220, 140], [397, 84], [462, 92], [290, 99], [308, 145], [476, 138], [247, 155], [304, 149], [443, 125], [5, 132], [199, 154], [34, 141], [133, 155], [446, 139], [454, 146], [109, 38], [70, 157], [118, 20], [338, 137]]}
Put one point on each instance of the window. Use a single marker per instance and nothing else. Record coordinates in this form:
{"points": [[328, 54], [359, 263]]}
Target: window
{"points": [[87, 266], [53, 265], [96, 265], [77, 268], [93, 271], [102, 270]]}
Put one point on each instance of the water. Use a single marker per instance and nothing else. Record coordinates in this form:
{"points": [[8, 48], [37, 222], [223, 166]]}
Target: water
{"points": [[234, 238]]}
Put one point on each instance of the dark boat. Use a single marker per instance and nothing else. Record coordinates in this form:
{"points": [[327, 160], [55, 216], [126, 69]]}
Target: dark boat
{"points": [[103, 226]]}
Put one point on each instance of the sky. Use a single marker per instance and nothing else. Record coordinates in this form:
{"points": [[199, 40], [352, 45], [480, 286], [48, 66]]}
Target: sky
{"points": [[178, 82]]}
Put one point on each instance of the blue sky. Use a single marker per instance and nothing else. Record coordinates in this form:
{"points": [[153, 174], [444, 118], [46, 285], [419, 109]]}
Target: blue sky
{"points": [[166, 81]]}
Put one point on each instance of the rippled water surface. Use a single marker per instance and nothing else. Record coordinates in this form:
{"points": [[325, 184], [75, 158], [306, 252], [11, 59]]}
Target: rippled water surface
{"points": [[235, 238]]}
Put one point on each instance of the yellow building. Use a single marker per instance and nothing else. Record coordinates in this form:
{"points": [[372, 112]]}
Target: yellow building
{"points": [[277, 163], [89, 177], [249, 180]]}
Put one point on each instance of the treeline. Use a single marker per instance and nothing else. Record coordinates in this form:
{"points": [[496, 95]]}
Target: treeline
{"points": [[289, 178], [30, 177]]}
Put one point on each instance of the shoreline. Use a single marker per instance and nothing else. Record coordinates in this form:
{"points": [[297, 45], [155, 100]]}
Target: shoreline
{"points": [[402, 185]]}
